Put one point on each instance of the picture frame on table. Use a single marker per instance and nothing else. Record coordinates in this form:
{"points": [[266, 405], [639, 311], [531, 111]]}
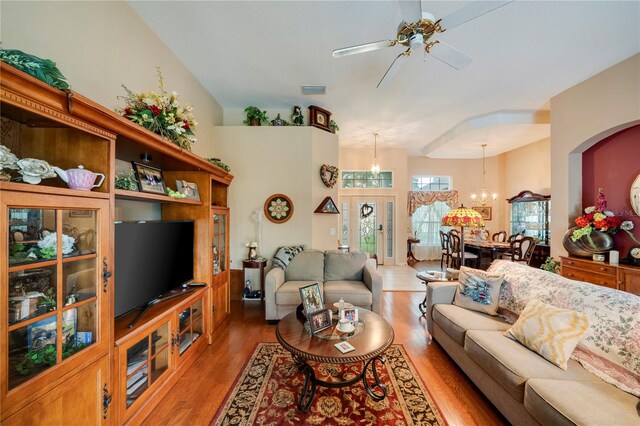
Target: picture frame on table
{"points": [[149, 179], [485, 212], [188, 189], [311, 299], [350, 314], [320, 320]]}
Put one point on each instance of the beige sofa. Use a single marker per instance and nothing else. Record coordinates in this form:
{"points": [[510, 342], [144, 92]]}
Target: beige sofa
{"points": [[526, 388], [350, 276]]}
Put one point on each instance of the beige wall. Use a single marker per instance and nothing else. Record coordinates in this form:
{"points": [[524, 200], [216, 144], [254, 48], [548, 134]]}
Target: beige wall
{"points": [[278, 160], [100, 45], [580, 117], [528, 167]]}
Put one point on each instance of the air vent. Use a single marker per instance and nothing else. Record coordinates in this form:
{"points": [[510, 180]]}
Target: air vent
{"points": [[314, 90]]}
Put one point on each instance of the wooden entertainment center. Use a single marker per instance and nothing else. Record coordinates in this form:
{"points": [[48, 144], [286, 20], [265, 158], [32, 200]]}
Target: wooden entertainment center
{"points": [[63, 357]]}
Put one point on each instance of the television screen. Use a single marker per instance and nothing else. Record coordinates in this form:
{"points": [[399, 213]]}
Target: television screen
{"points": [[151, 258]]}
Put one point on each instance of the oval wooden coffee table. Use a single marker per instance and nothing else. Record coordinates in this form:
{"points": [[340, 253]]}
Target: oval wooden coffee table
{"points": [[372, 337]]}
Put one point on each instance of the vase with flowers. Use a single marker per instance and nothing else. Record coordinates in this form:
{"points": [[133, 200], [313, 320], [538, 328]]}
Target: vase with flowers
{"points": [[592, 235], [161, 113]]}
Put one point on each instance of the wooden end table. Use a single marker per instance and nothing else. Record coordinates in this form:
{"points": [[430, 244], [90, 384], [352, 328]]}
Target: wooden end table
{"points": [[410, 243], [371, 338], [430, 277]]}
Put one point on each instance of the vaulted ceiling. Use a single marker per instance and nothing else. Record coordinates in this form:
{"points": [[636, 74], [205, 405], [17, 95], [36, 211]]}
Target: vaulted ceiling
{"points": [[262, 52]]}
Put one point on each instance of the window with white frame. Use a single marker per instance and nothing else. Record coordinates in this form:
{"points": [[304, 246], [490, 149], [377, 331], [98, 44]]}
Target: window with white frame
{"points": [[431, 183], [426, 225], [366, 179]]}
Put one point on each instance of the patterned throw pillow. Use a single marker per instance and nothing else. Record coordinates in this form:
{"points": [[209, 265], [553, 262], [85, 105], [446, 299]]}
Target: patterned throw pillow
{"points": [[285, 255], [478, 290], [551, 332]]}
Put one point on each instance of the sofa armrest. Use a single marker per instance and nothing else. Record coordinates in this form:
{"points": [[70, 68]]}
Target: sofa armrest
{"points": [[273, 280], [438, 293], [373, 280]]}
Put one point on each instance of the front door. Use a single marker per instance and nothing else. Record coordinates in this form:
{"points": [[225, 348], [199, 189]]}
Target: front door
{"points": [[368, 225]]}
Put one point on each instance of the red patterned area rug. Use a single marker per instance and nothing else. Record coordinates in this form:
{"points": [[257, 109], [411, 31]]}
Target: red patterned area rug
{"points": [[266, 393]]}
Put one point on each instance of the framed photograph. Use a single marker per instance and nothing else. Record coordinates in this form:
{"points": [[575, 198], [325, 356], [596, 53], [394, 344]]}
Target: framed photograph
{"points": [[188, 189], [311, 298], [320, 320], [278, 208], [149, 179], [319, 117], [42, 333], [484, 211], [350, 314]]}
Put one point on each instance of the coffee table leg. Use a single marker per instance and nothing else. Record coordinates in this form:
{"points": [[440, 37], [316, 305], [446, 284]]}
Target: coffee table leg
{"points": [[376, 383], [308, 391]]}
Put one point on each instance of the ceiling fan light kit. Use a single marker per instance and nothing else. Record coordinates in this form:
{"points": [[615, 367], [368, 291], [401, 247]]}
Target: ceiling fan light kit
{"points": [[417, 34]]}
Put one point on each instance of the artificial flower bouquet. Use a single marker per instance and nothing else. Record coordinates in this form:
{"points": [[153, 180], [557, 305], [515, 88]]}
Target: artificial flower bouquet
{"points": [[600, 219], [161, 113]]}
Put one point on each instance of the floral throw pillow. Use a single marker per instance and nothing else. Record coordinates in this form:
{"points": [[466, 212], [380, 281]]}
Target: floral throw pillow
{"points": [[549, 331], [478, 290]]}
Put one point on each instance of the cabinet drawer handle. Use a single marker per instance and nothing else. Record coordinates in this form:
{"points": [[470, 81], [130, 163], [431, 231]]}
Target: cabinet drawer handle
{"points": [[602, 268], [569, 262], [603, 282], [570, 274]]}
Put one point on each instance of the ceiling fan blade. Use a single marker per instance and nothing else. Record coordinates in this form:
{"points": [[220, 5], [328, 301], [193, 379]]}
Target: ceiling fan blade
{"points": [[362, 48], [449, 55], [411, 10], [392, 70], [469, 12]]}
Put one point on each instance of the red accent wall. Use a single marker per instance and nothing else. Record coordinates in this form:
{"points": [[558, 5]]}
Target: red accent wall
{"points": [[613, 164]]}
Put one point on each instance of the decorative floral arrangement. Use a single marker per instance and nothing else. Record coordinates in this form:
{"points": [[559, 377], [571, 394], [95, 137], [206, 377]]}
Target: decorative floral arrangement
{"points": [[161, 113], [8, 161], [600, 219], [42, 69]]}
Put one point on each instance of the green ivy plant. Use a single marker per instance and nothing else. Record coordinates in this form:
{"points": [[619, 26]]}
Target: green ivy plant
{"points": [[127, 181], [218, 163], [45, 357], [42, 69], [333, 126], [256, 114], [550, 265]]}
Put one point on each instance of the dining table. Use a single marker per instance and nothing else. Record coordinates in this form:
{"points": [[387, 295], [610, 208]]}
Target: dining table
{"points": [[495, 248]]}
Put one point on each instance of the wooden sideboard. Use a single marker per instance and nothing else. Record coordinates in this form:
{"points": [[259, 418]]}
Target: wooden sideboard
{"points": [[620, 277]]}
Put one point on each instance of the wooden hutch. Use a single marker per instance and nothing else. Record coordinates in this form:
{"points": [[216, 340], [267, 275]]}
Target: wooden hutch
{"points": [[63, 357]]}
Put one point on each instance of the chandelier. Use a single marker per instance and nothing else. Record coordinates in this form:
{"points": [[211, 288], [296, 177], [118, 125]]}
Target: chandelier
{"points": [[375, 167], [484, 198]]}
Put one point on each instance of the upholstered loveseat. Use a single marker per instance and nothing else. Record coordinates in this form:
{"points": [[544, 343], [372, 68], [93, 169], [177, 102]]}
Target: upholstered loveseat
{"points": [[525, 387], [350, 276]]}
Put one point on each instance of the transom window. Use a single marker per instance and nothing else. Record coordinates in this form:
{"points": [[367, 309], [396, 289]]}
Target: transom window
{"points": [[366, 179], [431, 183]]}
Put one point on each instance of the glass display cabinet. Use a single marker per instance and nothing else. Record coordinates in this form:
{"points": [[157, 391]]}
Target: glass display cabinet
{"points": [[530, 214], [55, 294], [219, 247]]}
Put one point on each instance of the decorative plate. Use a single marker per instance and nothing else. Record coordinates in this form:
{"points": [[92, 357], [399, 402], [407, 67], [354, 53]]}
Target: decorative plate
{"points": [[634, 195], [278, 208]]}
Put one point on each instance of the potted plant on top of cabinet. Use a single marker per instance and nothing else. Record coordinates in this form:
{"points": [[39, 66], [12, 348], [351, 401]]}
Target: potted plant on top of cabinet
{"points": [[255, 117]]}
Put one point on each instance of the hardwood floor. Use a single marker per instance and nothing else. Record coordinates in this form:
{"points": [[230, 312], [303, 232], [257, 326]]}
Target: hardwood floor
{"points": [[196, 397]]}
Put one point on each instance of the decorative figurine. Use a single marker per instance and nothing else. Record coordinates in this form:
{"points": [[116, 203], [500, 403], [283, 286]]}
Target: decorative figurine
{"points": [[296, 118]]}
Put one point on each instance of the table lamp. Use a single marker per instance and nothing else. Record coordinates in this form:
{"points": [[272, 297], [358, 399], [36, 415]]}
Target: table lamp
{"points": [[463, 216]]}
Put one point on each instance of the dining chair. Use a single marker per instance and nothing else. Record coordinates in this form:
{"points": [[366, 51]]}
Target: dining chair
{"points": [[514, 237], [521, 250], [446, 251], [454, 247], [499, 236]]}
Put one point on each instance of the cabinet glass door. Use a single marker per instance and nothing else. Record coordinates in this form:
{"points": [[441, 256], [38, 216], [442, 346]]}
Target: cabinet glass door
{"points": [[219, 242], [52, 294], [190, 325]]}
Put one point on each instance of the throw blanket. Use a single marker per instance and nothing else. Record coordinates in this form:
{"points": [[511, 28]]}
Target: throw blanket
{"points": [[285, 255], [610, 349]]}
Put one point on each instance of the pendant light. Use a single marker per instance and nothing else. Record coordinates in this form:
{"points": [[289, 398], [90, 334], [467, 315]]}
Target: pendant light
{"points": [[375, 167], [484, 198]]}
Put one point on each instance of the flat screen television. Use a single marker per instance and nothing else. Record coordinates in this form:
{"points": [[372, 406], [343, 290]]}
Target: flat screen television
{"points": [[151, 258]]}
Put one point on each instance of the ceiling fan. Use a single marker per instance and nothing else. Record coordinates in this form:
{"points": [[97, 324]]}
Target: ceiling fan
{"points": [[416, 31]]}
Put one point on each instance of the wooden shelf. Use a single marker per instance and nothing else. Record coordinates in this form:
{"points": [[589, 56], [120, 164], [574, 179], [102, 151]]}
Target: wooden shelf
{"points": [[50, 190], [123, 194]]}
